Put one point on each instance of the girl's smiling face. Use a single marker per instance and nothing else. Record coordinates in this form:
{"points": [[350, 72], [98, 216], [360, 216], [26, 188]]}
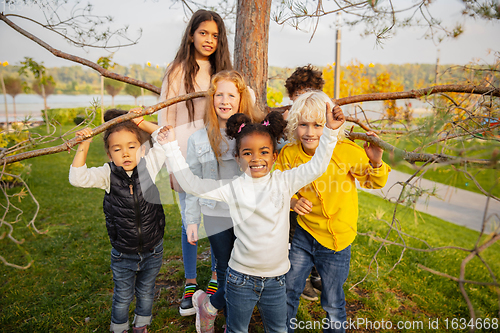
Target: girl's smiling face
{"points": [[256, 155], [205, 39], [226, 101]]}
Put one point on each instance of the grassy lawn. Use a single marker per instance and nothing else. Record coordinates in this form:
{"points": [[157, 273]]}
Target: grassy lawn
{"points": [[487, 177], [69, 286]]}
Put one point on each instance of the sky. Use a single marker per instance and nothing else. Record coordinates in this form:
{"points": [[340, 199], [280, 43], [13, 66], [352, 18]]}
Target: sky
{"points": [[163, 23]]}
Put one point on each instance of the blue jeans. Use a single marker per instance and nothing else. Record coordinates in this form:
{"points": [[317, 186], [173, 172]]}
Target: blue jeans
{"points": [[134, 274], [189, 252], [221, 236], [333, 267], [243, 292]]}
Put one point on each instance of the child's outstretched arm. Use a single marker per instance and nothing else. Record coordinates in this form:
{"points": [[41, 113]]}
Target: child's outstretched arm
{"points": [[83, 148], [371, 172], [190, 183], [306, 173], [79, 174], [144, 125], [166, 134]]}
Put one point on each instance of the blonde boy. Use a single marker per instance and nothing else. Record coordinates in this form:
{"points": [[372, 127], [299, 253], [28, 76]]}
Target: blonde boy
{"points": [[327, 207]]}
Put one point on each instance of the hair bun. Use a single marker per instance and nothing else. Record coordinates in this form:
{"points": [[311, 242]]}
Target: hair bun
{"points": [[234, 123], [276, 125]]}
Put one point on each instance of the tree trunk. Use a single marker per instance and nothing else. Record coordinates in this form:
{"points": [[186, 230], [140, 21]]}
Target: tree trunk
{"points": [[250, 49], [5, 99], [102, 99], [14, 104], [45, 104]]}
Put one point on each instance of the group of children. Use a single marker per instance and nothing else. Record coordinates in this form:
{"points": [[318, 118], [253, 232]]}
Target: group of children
{"points": [[220, 152]]}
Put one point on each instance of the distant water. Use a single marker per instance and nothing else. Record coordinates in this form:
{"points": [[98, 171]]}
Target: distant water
{"points": [[31, 105]]}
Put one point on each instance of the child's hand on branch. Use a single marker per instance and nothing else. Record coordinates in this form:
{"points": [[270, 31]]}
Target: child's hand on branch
{"points": [[137, 120], [166, 134], [301, 206], [334, 118], [85, 133], [373, 152], [83, 147]]}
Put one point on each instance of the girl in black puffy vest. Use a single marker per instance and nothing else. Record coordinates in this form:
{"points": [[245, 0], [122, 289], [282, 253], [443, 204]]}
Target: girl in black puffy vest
{"points": [[134, 214]]}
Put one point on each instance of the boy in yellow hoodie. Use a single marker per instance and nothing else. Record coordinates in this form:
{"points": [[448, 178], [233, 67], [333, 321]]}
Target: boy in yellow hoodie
{"points": [[327, 208]]}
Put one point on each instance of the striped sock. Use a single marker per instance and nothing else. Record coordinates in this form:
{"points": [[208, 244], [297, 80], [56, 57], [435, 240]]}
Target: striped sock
{"points": [[189, 290], [212, 287]]}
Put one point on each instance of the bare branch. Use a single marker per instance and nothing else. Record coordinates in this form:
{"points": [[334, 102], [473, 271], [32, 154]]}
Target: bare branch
{"points": [[457, 279], [85, 62], [101, 128], [417, 157]]}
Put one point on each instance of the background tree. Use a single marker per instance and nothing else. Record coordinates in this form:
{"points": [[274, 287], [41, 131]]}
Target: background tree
{"points": [[39, 72], [106, 63], [4, 91], [113, 88], [49, 87], [384, 83], [156, 83], [133, 91]]}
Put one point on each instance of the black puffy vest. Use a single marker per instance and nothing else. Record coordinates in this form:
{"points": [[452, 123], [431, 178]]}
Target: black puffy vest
{"points": [[134, 218]]}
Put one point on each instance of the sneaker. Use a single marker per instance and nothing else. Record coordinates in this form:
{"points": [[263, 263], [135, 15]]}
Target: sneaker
{"points": [[204, 319], [316, 283], [142, 329], [186, 308], [212, 287], [309, 292]]}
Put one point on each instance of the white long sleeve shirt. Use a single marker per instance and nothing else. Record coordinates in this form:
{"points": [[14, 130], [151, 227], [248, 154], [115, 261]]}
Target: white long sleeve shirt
{"points": [[99, 177], [259, 207]]}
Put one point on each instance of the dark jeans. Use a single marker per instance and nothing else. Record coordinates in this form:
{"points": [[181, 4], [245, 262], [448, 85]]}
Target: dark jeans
{"points": [[134, 274], [221, 236], [333, 267], [244, 292]]}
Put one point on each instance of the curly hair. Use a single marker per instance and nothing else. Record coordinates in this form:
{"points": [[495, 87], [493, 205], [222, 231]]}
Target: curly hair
{"points": [[240, 125], [303, 78], [128, 125], [308, 107]]}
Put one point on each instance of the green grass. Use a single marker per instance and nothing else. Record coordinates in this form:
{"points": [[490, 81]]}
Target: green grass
{"points": [[69, 286], [487, 177]]}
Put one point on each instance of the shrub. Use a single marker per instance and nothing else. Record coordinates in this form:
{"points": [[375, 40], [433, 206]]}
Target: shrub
{"points": [[8, 140], [67, 116]]}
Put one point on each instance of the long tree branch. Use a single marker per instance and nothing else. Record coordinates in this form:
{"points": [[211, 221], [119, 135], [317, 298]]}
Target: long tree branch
{"points": [[99, 129], [418, 93], [416, 157], [104, 72], [411, 94], [430, 270]]}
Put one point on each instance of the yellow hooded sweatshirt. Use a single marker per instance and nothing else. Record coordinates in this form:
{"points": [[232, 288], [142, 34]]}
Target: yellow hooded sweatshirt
{"points": [[334, 198]]}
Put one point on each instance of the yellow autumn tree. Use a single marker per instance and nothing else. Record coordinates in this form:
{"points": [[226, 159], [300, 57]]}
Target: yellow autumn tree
{"points": [[353, 79], [384, 83], [274, 97]]}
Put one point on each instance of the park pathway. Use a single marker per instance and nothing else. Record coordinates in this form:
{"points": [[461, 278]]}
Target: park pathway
{"points": [[452, 204]]}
